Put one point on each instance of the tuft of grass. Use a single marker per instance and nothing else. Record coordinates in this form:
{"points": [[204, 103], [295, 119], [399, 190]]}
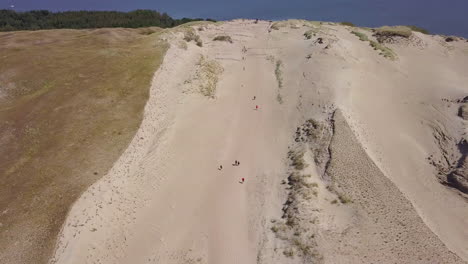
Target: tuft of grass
{"points": [[279, 73], [311, 33], [419, 29], [343, 199], [208, 74], [386, 33], [289, 252], [347, 24], [223, 38], [362, 36], [279, 98], [297, 160], [334, 201], [191, 35], [384, 51]]}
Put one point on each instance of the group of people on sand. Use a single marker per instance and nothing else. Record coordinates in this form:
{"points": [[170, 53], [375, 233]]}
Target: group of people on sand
{"points": [[236, 162]]}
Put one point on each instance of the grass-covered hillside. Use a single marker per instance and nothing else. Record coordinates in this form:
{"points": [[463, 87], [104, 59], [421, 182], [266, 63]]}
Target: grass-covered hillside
{"points": [[70, 102]]}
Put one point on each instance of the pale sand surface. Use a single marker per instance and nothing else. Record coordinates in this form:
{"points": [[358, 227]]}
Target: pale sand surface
{"points": [[165, 201]]}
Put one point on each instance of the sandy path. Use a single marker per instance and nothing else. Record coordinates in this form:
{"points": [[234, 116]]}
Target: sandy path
{"points": [[182, 208]]}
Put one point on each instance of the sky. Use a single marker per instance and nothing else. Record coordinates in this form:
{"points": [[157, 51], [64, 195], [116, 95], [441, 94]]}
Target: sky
{"points": [[449, 17]]}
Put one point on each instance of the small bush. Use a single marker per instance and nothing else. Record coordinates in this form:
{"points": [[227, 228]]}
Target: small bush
{"points": [[275, 26], [223, 38], [347, 24], [362, 36], [386, 33], [334, 201]]}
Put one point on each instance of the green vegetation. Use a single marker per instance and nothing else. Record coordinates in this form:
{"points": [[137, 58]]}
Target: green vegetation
{"points": [[279, 73], [71, 103], [418, 29], [384, 51], [311, 32], [343, 199], [386, 32], [297, 159], [347, 24], [43, 19], [362, 36], [223, 38]]}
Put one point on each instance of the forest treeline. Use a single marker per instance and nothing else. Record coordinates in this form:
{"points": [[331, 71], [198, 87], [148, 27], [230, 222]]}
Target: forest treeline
{"points": [[43, 19]]}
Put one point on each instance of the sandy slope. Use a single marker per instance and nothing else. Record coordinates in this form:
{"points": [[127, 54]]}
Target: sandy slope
{"points": [[165, 201]]}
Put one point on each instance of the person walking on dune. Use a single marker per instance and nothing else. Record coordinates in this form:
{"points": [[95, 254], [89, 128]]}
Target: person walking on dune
{"points": [[256, 107]]}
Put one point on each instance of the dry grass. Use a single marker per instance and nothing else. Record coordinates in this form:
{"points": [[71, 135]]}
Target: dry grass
{"points": [[183, 45], [279, 73], [191, 35], [311, 33], [388, 34], [350, 24], [419, 29], [297, 159], [71, 102], [223, 38], [384, 51], [362, 36], [208, 75], [295, 24]]}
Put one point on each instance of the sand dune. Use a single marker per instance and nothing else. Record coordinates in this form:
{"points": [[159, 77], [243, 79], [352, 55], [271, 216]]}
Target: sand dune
{"points": [[365, 192]]}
